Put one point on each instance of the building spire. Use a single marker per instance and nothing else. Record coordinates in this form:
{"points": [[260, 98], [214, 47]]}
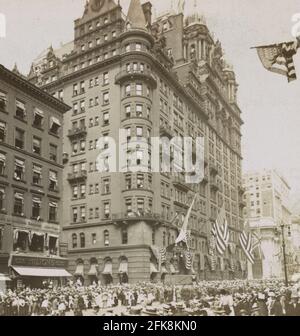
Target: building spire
{"points": [[136, 17]]}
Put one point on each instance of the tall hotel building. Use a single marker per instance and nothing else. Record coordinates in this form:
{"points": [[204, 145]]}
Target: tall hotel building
{"points": [[30, 183], [163, 77]]}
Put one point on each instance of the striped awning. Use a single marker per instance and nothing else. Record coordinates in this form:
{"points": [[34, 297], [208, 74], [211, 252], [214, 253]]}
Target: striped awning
{"points": [[79, 270], [2, 157], [107, 269], [42, 272], [54, 121], [123, 269], [38, 112], [93, 270]]}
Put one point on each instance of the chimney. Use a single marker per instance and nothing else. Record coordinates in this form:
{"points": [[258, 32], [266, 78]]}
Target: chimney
{"points": [[147, 9]]}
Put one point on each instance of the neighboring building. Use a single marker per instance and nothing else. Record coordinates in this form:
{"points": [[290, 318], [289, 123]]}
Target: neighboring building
{"points": [[267, 207], [123, 73], [30, 176]]}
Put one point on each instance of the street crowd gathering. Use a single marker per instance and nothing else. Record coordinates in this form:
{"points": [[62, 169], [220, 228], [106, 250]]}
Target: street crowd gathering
{"points": [[216, 298]]}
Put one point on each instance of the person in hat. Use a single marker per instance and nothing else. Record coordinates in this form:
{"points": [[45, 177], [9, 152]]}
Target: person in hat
{"points": [[274, 306], [261, 302], [293, 308]]}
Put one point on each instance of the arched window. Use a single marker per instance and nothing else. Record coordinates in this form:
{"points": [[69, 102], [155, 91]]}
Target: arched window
{"points": [[74, 240], [124, 236], [82, 240], [106, 238]]}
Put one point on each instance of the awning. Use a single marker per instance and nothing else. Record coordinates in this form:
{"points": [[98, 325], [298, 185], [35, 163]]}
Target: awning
{"points": [[52, 176], [2, 96], [36, 200], [20, 163], [2, 125], [39, 112], [42, 272], [37, 169], [79, 270], [54, 121], [123, 269], [164, 270], [19, 196], [107, 269], [4, 277], [2, 157], [53, 205], [20, 105], [93, 270], [153, 269]]}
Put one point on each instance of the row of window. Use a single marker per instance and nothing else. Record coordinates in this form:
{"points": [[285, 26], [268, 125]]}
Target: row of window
{"points": [[98, 41], [79, 191], [79, 212], [94, 239], [137, 111], [37, 176], [37, 205]]}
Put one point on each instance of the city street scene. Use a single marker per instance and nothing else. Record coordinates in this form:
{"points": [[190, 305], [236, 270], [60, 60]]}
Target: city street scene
{"points": [[149, 158]]}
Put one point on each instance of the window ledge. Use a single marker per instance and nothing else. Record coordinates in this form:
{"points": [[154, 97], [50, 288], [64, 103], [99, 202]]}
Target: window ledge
{"points": [[21, 119]]}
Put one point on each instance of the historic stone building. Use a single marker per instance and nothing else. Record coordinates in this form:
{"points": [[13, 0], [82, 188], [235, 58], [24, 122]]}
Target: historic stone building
{"points": [[30, 181], [163, 77], [267, 208]]}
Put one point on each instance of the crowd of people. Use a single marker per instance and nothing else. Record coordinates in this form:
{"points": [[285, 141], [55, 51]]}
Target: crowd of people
{"points": [[219, 298]]}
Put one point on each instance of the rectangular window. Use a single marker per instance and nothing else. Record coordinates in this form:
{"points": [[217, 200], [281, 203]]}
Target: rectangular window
{"points": [[82, 191], [75, 89], [105, 78], [19, 139], [129, 207], [140, 181], [36, 207], [139, 132], [3, 101], [97, 215], [128, 182], [36, 174], [139, 110], [139, 89], [53, 211], [82, 145], [2, 201], [19, 204], [75, 215], [128, 111], [53, 182], [106, 210], [106, 186], [140, 205], [82, 214], [37, 146], [75, 191], [82, 87], [138, 47], [106, 118], [19, 173], [38, 117], [105, 98], [2, 131], [20, 110], [53, 153], [128, 90]]}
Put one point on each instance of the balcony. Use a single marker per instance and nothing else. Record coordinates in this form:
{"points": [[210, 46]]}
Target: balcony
{"points": [[140, 216], [179, 181], [77, 132], [132, 75], [77, 177], [166, 131]]}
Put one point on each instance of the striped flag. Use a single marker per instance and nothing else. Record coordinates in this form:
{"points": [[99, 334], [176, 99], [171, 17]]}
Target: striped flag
{"points": [[183, 235], [220, 231], [249, 242], [163, 255], [278, 58]]}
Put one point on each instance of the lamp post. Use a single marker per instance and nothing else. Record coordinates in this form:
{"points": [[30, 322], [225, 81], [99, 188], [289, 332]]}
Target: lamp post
{"points": [[284, 255]]}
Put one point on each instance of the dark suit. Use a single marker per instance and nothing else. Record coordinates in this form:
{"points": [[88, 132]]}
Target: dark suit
{"points": [[293, 309]]}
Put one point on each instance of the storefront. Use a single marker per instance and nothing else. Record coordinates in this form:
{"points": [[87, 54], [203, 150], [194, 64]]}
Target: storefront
{"points": [[37, 272]]}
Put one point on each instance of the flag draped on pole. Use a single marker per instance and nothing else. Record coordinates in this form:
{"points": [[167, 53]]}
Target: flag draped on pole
{"points": [[184, 233], [249, 243], [278, 58], [220, 231]]}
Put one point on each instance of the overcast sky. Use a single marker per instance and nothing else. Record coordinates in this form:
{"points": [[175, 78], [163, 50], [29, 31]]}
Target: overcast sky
{"points": [[270, 106]]}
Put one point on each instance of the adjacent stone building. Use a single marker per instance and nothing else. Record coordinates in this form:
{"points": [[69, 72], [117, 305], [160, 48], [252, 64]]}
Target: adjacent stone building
{"points": [[30, 181]]}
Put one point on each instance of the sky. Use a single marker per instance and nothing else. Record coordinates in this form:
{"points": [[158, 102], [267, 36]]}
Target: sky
{"points": [[270, 106]]}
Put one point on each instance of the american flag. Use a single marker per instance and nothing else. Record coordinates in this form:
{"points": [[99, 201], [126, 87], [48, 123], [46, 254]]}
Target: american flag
{"points": [[249, 242], [278, 58], [163, 255], [188, 260], [220, 231]]}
